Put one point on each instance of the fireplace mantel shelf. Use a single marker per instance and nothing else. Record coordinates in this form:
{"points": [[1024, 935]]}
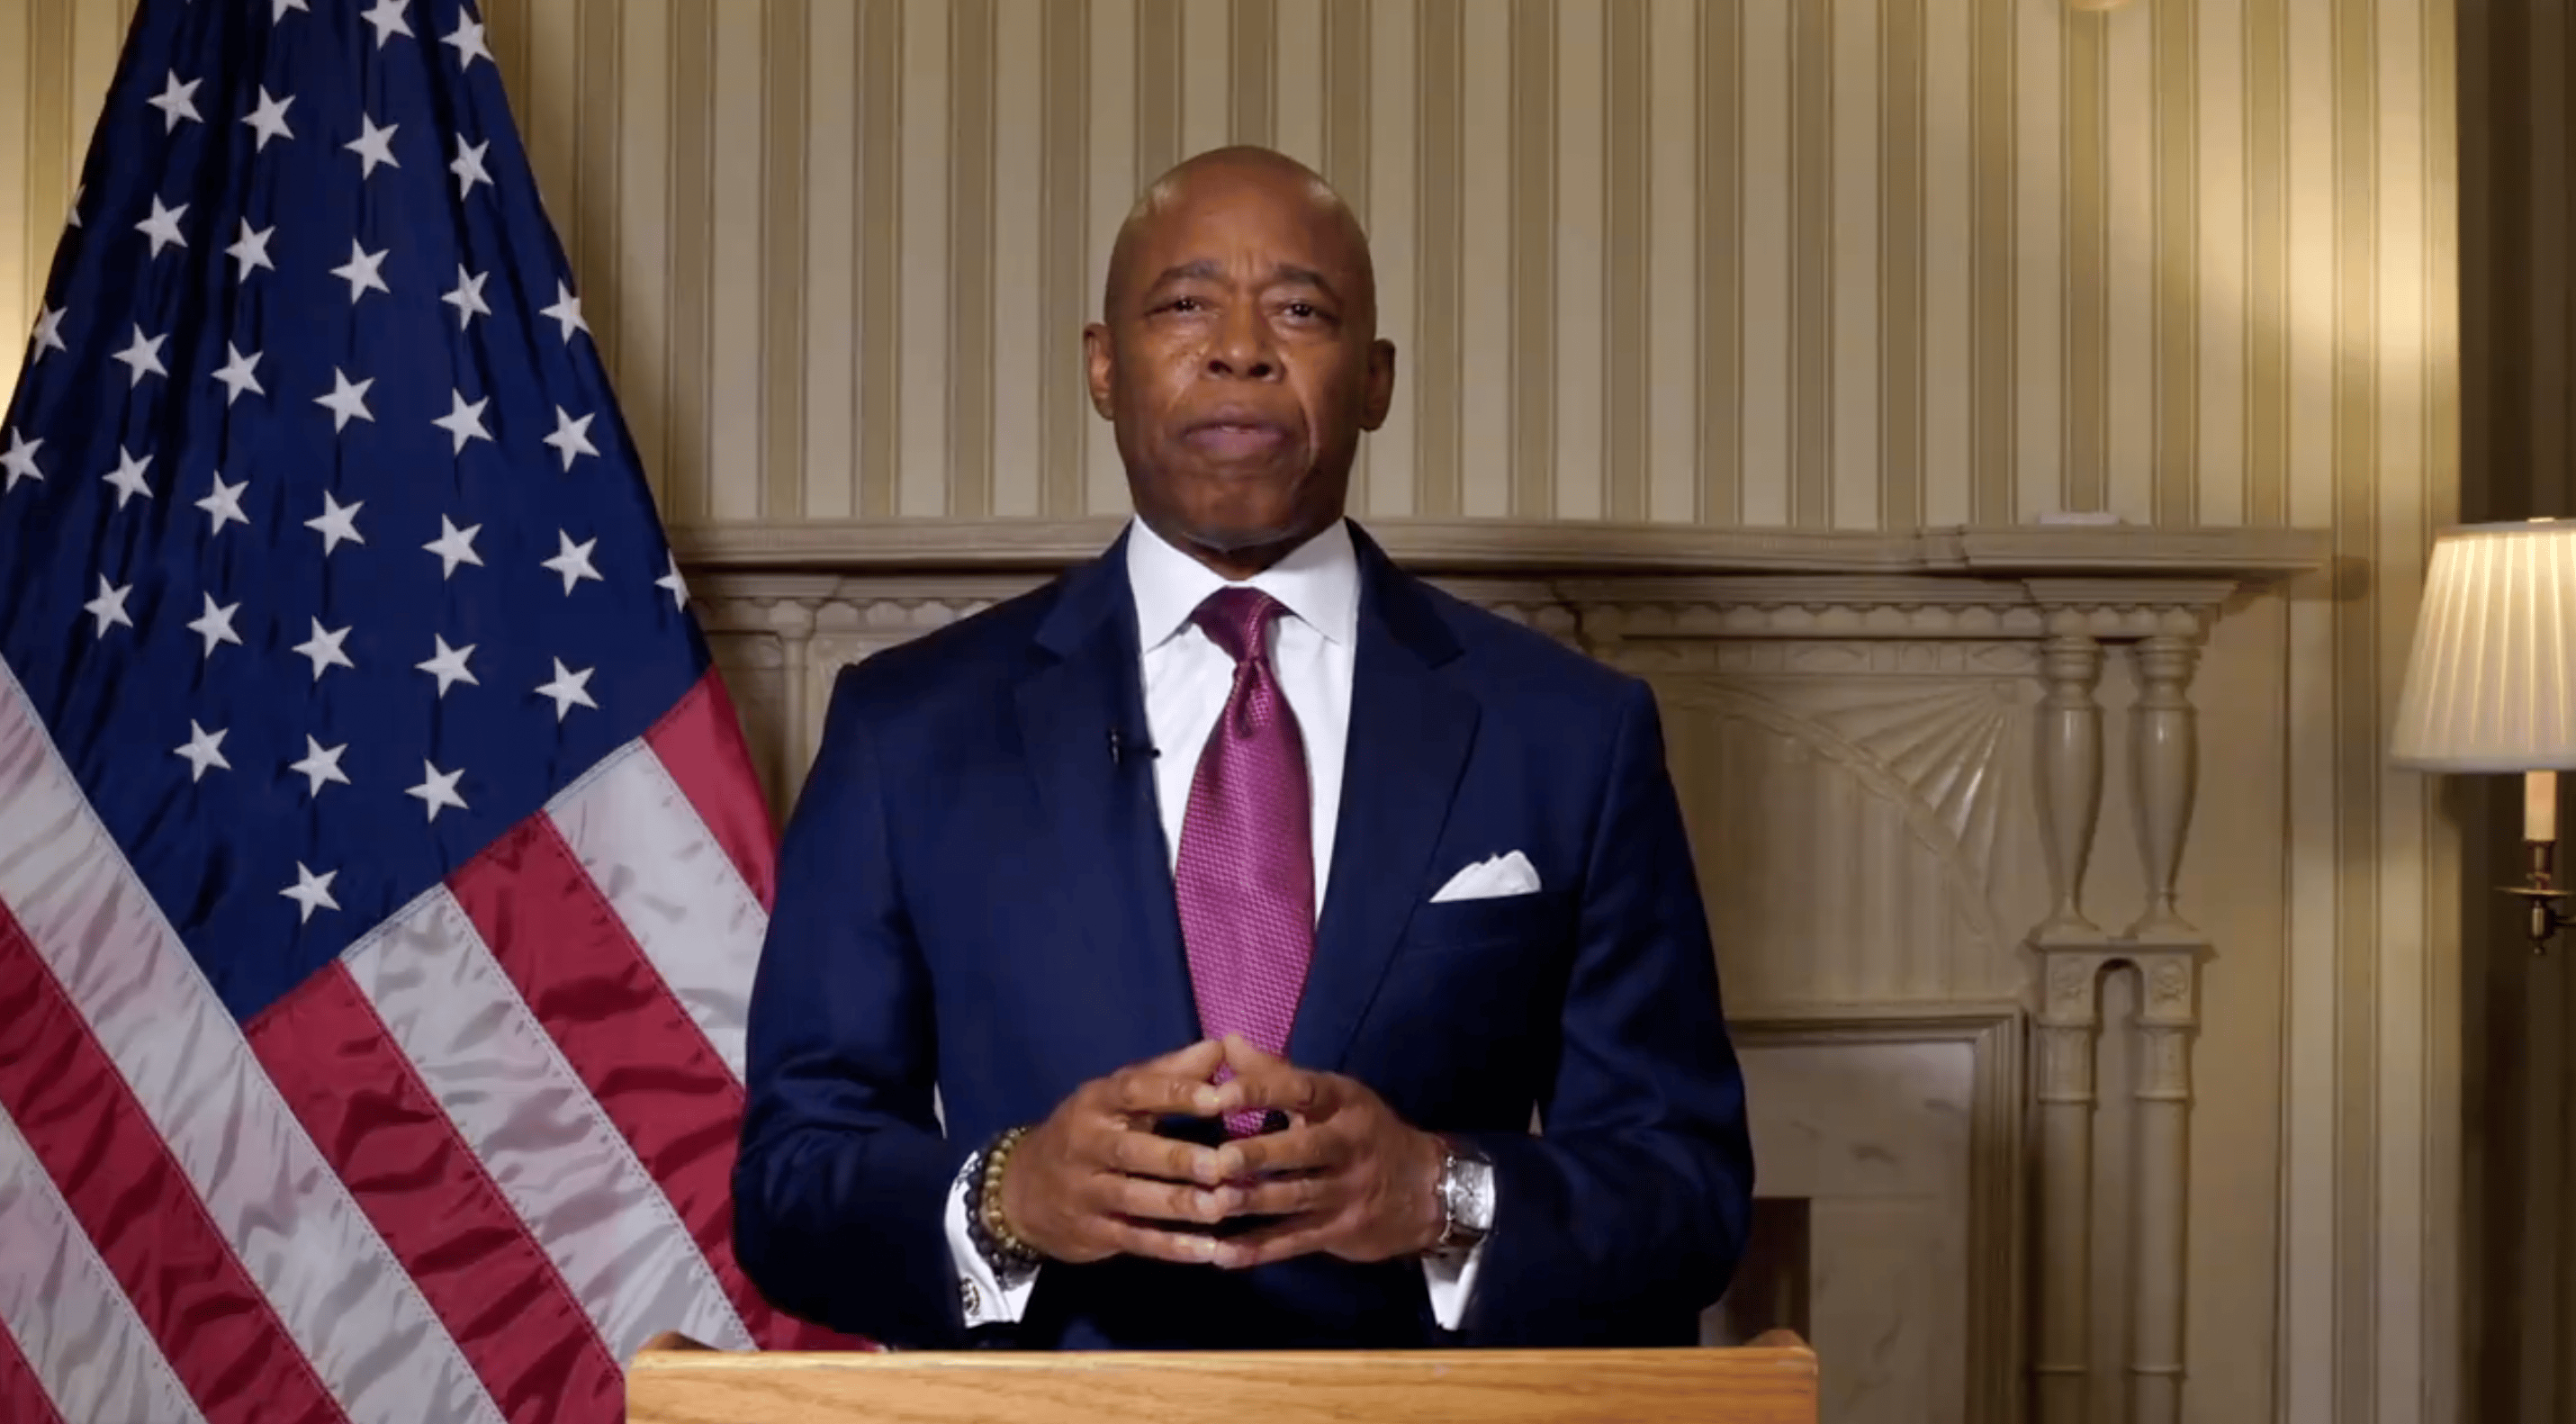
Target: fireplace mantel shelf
{"points": [[1492, 546]]}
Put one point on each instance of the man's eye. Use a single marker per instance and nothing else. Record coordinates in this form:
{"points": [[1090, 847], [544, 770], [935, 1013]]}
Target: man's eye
{"points": [[1302, 310]]}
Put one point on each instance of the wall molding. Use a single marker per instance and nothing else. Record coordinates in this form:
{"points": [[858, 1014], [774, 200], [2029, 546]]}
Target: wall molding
{"points": [[1522, 547]]}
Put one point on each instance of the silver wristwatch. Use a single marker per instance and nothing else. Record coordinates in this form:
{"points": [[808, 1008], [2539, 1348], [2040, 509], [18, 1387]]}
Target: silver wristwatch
{"points": [[1466, 1198]]}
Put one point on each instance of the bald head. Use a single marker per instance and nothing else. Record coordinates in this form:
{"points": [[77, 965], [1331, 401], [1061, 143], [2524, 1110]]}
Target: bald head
{"points": [[1224, 172], [1237, 355]]}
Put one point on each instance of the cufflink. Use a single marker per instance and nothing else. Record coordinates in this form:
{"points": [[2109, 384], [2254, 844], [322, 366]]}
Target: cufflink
{"points": [[974, 1298]]}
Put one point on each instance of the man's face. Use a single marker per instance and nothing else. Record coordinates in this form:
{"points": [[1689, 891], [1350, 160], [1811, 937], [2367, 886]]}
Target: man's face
{"points": [[1239, 363]]}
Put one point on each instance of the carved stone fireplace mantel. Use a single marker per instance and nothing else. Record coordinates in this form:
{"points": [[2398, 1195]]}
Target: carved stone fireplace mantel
{"points": [[1892, 752]]}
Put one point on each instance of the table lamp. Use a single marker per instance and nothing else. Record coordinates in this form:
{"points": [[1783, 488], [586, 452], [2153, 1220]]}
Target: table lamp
{"points": [[2491, 682]]}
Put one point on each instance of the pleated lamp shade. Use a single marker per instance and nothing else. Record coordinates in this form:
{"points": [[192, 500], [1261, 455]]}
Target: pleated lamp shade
{"points": [[2491, 684]]}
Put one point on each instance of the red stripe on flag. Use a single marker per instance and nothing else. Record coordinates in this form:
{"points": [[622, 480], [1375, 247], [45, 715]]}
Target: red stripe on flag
{"points": [[22, 1396], [117, 1176], [700, 743], [439, 1211], [625, 1035]]}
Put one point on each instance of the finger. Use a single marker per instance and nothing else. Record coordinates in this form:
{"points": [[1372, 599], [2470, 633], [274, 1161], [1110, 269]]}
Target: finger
{"points": [[1303, 1147], [1147, 1200], [1291, 1196], [1160, 1087], [1138, 1239], [1264, 1082], [1143, 1154], [1296, 1236]]}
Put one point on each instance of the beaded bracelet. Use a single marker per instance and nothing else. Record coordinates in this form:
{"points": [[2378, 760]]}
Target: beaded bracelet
{"points": [[1001, 1247]]}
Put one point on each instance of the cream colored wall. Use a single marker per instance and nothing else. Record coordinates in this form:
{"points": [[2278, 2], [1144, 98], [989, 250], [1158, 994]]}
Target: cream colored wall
{"points": [[1834, 264]]}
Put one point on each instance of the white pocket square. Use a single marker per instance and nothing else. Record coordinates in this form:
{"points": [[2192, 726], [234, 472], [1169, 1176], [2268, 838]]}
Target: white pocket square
{"points": [[1491, 879]]}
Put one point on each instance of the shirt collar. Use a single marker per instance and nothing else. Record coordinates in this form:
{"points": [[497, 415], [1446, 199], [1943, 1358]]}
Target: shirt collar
{"points": [[1318, 583]]}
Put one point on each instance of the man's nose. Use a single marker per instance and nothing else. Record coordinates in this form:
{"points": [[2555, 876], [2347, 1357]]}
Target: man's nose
{"points": [[1242, 349]]}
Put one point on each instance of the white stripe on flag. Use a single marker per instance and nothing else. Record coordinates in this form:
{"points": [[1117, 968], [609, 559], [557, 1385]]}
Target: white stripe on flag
{"points": [[570, 1175], [94, 1356], [673, 887], [290, 1221]]}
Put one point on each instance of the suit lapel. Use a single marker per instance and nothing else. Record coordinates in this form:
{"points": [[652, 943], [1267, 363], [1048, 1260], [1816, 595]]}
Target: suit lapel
{"points": [[1100, 809], [1409, 736]]}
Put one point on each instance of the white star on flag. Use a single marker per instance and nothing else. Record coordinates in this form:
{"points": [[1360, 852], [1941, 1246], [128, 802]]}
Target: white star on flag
{"points": [[468, 167], [224, 504], [269, 119], [127, 478], [236, 375], [373, 145], [448, 666], [337, 523], [19, 460], [571, 436], [467, 297], [204, 749], [49, 333], [568, 689], [177, 102], [468, 40], [215, 625], [321, 764], [109, 607], [347, 401], [363, 271], [251, 249], [388, 19], [142, 356], [463, 420], [311, 891], [454, 546], [437, 789], [163, 226], [566, 311], [324, 649], [573, 562]]}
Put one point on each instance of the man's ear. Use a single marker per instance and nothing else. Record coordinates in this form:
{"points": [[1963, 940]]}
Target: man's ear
{"points": [[1100, 365], [1381, 384]]}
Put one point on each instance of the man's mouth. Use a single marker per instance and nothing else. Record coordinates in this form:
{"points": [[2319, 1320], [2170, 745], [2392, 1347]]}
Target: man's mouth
{"points": [[1235, 439]]}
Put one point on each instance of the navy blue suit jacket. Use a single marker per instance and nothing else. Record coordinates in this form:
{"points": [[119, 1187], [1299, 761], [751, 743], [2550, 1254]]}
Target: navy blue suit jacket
{"points": [[974, 895]]}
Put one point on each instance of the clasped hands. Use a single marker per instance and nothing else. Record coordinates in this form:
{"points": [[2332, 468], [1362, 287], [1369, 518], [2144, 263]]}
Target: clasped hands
{"points": [[1346, 1176]]}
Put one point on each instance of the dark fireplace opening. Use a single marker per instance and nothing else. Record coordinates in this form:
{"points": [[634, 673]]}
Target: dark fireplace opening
{"points": [[1769, 1291]]}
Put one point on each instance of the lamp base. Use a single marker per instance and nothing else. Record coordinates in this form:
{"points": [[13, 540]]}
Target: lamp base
{"points": [[2539, 891]]}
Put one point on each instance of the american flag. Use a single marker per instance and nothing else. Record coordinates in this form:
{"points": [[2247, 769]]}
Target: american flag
{"points": [[381, 868]]}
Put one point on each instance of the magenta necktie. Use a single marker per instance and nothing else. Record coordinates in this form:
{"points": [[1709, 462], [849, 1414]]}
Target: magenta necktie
{"points": [[1246, 876]]}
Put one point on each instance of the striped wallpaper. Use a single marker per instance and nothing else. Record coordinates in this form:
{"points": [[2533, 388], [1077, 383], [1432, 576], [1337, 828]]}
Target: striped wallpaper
{"points": [[1862, 264], [1855, 264]]}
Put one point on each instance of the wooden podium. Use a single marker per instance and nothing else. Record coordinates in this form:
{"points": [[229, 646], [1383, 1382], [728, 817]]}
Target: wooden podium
{"points": [[1771, 1381]]}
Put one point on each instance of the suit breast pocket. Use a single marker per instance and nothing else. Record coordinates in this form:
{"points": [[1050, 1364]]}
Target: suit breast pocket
{"points": [[1539, 918]]}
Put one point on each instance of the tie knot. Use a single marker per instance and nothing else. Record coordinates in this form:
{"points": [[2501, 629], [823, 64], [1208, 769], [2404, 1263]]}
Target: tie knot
{"points": [[1235, 618]]}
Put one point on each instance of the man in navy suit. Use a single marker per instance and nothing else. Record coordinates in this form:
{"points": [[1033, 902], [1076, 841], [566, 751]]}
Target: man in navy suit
{"points": [[1174, 957]]}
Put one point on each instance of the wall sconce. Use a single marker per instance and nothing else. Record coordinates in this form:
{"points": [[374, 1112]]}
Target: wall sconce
{"points": [[2491, 683]]}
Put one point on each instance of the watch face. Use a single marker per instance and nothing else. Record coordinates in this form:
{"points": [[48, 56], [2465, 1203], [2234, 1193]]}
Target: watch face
{"points": [[1471, 1195]]}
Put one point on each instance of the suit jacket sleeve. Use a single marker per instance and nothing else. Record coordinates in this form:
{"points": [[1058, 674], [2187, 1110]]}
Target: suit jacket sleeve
{"points": [[1634, 1202], [844, 1170]]}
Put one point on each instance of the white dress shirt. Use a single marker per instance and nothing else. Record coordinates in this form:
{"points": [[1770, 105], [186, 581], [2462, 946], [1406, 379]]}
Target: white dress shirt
{"points": [[1187, 678]]}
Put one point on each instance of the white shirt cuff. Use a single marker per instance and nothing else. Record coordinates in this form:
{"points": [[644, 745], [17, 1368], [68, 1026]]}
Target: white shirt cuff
{"points": [[987, 1299], [1453, 1283]]}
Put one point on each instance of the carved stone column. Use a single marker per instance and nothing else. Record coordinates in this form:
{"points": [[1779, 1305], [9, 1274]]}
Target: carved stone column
{"points": [[2070, 1021], [2164, 764], [2168, 1017], [2070, 771]]}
